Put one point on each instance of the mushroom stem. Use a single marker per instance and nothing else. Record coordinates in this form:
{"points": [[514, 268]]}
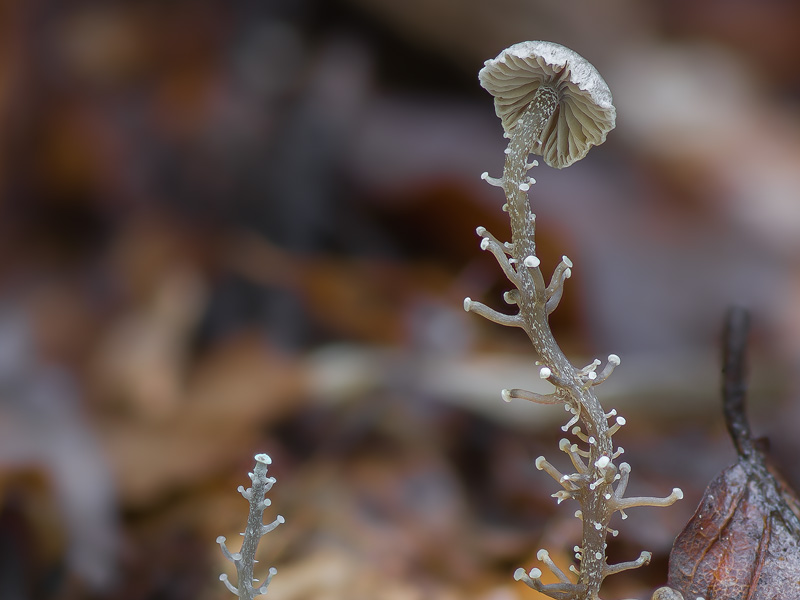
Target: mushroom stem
{"points": [[532, 300], [529, 281], [552, 102], [526, 133]]}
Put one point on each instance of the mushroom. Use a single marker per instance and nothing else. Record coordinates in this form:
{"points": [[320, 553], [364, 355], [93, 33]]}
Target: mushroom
{"points": [[565, 99]]}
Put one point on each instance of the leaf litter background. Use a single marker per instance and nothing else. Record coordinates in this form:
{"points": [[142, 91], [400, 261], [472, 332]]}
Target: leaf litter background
{"points": [[237, 227]]}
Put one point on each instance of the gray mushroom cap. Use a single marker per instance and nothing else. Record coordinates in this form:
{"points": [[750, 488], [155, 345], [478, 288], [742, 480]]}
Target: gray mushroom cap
{"points": [[585, 113]]}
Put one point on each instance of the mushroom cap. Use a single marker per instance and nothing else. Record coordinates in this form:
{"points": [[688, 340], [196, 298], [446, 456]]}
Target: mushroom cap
{"points": [[585, 113]]}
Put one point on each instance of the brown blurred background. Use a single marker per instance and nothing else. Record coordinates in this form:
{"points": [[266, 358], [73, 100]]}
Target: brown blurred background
{"points": [[237, 227]]}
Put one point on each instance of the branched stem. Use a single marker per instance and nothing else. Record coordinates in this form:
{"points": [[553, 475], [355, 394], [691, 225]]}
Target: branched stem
{"points": [[244, 560], [592, 485]]}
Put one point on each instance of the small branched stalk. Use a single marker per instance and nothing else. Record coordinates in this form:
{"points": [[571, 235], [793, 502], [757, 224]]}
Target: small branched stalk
{"points": [[245, 559], [598, 482]]}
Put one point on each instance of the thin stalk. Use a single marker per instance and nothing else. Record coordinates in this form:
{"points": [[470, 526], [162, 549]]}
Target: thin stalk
{"points": [[532, 302]]}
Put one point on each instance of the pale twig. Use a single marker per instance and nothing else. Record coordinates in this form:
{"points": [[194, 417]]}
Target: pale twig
{"points": [[481, 309], [244, 560], [644, 558]]}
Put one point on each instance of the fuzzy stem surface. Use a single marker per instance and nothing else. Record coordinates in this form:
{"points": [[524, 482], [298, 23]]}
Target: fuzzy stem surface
{"points": [[532, 301], [592, 484]]}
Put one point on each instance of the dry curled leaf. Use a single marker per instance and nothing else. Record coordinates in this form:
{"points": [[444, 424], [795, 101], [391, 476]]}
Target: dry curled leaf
{"points": [[743, 543]]}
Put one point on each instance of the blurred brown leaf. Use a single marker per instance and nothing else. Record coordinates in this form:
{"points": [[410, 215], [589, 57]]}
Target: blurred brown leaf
{"points": [[744, 540]]}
